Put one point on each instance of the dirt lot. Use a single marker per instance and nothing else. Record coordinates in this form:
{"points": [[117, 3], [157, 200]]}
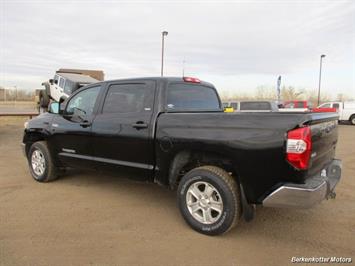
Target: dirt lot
{"points": [[17, 107], [99, 219]]}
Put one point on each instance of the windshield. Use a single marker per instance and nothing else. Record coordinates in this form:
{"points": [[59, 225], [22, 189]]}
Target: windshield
{"points": [[184, 96]]}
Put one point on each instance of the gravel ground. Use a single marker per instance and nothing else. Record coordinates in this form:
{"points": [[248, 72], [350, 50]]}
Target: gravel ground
{"points": [[100, 219], [17, 107]]}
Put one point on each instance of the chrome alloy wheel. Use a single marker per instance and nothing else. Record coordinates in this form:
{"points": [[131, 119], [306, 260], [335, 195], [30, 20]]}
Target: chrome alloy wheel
{"points": [[204, 202], [38, 162]]}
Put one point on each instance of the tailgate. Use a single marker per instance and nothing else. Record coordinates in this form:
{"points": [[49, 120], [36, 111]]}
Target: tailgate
{"points": [[324, 129]]}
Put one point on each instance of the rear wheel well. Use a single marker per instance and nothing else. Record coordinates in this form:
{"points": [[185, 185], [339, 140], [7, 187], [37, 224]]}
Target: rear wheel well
{"points": [[185, 161]]}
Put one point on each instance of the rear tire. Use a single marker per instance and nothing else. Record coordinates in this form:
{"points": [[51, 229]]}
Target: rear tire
{"points": [[41, 163], [209, 200], [352, 120], [44, 99]]}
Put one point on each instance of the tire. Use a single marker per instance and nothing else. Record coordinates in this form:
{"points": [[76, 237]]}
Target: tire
{"points": [[47, 87], [352, 120], [44, 99], [42, 110], [224, 196], [41, 163]]}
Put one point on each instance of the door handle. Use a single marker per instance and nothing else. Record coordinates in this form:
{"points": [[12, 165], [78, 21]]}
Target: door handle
{"points": [[139, 125], [85, 124]]}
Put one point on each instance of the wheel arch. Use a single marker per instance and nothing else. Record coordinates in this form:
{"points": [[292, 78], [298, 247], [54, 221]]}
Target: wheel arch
{"points": [[32, 137], [186, 160]]}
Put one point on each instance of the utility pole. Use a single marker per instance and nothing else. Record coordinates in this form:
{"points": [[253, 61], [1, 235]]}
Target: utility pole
{"points": [[278, 89], [320, 76], [163, 34]]}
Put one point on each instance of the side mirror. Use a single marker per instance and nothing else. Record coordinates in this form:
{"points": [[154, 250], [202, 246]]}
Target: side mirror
{"points": [[62, 104], [55, 81], [51, 81], [54, 108]]}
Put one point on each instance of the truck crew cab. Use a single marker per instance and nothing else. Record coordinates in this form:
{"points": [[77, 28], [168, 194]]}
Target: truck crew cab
{"points": [[174, 131]]}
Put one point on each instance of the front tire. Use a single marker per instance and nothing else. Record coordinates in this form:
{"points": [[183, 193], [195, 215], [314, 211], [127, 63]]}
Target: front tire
{"points": [[41, 163], [209, 200]]}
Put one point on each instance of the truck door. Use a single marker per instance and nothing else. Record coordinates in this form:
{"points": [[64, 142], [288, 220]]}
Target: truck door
{"points": [[123, 128], [71, 132]]}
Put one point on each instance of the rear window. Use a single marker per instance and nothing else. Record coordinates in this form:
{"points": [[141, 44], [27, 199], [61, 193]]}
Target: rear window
{"points": [[181, 96], [255, 106]]}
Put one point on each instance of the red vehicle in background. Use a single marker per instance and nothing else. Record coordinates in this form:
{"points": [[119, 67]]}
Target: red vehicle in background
{"points": [[303, 106], [324, 110], [297, 104]]}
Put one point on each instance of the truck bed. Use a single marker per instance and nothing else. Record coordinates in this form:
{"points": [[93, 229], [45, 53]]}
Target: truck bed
{"points": [[254, 141]]}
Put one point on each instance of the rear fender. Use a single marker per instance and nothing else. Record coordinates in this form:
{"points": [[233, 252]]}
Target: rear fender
{"points": [[191, 159]]}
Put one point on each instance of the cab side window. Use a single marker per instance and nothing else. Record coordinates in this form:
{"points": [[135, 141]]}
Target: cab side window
{"points": [[326, 105], [61, 82], [56, 79], [83, 103], [128, 98]]}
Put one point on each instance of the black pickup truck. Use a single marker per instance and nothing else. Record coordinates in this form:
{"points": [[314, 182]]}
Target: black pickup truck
{"points": [[174, 132]]}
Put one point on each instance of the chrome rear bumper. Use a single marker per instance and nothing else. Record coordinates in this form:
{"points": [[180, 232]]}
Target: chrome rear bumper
{"points": [[306, 195]]}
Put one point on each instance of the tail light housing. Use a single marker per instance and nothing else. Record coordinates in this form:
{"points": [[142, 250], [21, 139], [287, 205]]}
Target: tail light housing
{"points": [[299, 147]]}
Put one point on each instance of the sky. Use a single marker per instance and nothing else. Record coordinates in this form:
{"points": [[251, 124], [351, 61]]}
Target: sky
{"points": [[236, 45]]}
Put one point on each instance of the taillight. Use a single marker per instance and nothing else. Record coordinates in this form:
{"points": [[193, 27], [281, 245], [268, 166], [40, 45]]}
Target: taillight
{"points": [[193, 80], [299, 147]]}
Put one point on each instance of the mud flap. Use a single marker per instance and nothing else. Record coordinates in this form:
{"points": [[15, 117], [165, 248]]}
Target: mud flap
{"points": [[247, 209]]}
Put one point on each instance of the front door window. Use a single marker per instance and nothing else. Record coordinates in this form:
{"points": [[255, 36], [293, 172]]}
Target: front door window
{"points": [[82, 104]]}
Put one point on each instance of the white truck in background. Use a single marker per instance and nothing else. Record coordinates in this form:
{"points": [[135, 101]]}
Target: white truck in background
{"points": [[346, 110], [64, 83], [250, 106]]}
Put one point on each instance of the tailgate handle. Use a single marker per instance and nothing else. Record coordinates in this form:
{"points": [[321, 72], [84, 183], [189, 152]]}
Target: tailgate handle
{"points": [[140, 125]]}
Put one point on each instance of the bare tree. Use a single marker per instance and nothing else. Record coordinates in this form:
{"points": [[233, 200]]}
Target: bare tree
{"points": [[291, 93], [265, 93]]}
